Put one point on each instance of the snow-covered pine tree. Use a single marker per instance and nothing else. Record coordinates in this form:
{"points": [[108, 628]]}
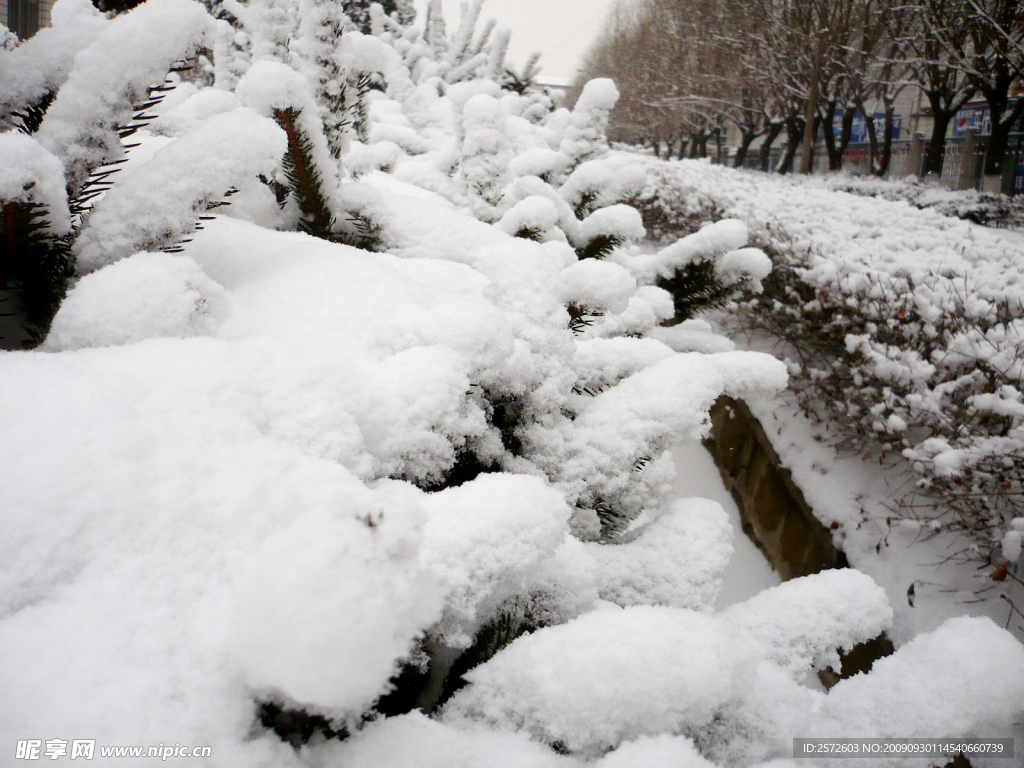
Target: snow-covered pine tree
{"points": [[359, 12], [321, 27]]}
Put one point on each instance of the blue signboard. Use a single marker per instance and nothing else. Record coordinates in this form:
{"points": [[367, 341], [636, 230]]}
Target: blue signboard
{"points": [[859, 129], [972, 118], [979, 119]]}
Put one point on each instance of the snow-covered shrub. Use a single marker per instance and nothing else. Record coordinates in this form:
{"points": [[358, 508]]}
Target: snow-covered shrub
{"points": [[905, 328], [980, 207]]}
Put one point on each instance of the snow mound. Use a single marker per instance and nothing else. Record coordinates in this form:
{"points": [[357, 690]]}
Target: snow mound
{"points": [[30, 174], [966, 677], [610, 676], [416, 741], [655, 752], [676, 561], [145, 296], [802, 623]]}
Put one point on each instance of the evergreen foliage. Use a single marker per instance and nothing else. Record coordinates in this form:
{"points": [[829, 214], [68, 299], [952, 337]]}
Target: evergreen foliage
{"points": [[304, 180], [599, 247], [530, 233], [116, 6], [512, 621], [359, 12], [581, 318], [521, 82], [306, 186], [612, 521], [696, 288], [34, 263], [297, 726], [31, 117]]}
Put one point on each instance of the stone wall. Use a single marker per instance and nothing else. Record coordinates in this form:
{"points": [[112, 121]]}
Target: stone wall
{"points": [[776, 515]]}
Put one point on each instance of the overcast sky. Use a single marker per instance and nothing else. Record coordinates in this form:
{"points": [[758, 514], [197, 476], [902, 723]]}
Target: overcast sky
{"points": [[560, 29]]}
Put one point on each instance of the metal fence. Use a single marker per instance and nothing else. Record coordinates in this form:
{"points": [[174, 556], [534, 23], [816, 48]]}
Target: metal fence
{"points": [[962, 163]]}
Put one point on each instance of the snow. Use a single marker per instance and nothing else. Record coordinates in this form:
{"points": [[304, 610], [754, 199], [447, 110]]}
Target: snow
{"points": [[42, 63], [486, 152], [609, 676], [655, 752], [802, 623], [601, 363], [415, 741], [1013, 540], [959, 679], [621, 221], [532, 214], [691, 336], [676, 560], [540, 161], [186, 107], [325, 607], [596, 284], [748, 571], [147, 296], [131, 53], [486, 541], [31, 174], [715, 240], [158, 203], [585, 133]]}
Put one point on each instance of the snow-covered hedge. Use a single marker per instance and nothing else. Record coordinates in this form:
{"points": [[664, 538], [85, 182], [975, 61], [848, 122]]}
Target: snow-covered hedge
{"points": [[268, 492], [904, 325], [980, 207]]}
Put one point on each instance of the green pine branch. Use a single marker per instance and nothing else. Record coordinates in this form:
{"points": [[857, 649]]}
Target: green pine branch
{"points": [[304, 180], [599, 247], [31, 117], [696, 288], [35, 263]]}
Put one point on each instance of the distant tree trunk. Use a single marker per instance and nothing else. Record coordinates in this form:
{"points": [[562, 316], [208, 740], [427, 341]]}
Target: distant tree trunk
{"points": [[847, 130], [699, 144], [747, 137], [811, 114], [869, 127], [886, 157], [1003, 120], [683, 143], [997, 96], [794, 133], [936, 150], [764, 155], [835, 154]]}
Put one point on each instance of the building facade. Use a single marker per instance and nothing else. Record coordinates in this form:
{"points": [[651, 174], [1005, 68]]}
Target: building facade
{"points": [[25, 17]]}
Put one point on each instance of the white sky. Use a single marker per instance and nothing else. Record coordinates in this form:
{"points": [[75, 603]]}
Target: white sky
{"points": [[561, 30]]}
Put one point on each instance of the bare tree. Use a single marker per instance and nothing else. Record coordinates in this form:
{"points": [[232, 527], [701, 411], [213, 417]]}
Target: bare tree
{"points": [[983, 39], [689, 68], [931, 59]]}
